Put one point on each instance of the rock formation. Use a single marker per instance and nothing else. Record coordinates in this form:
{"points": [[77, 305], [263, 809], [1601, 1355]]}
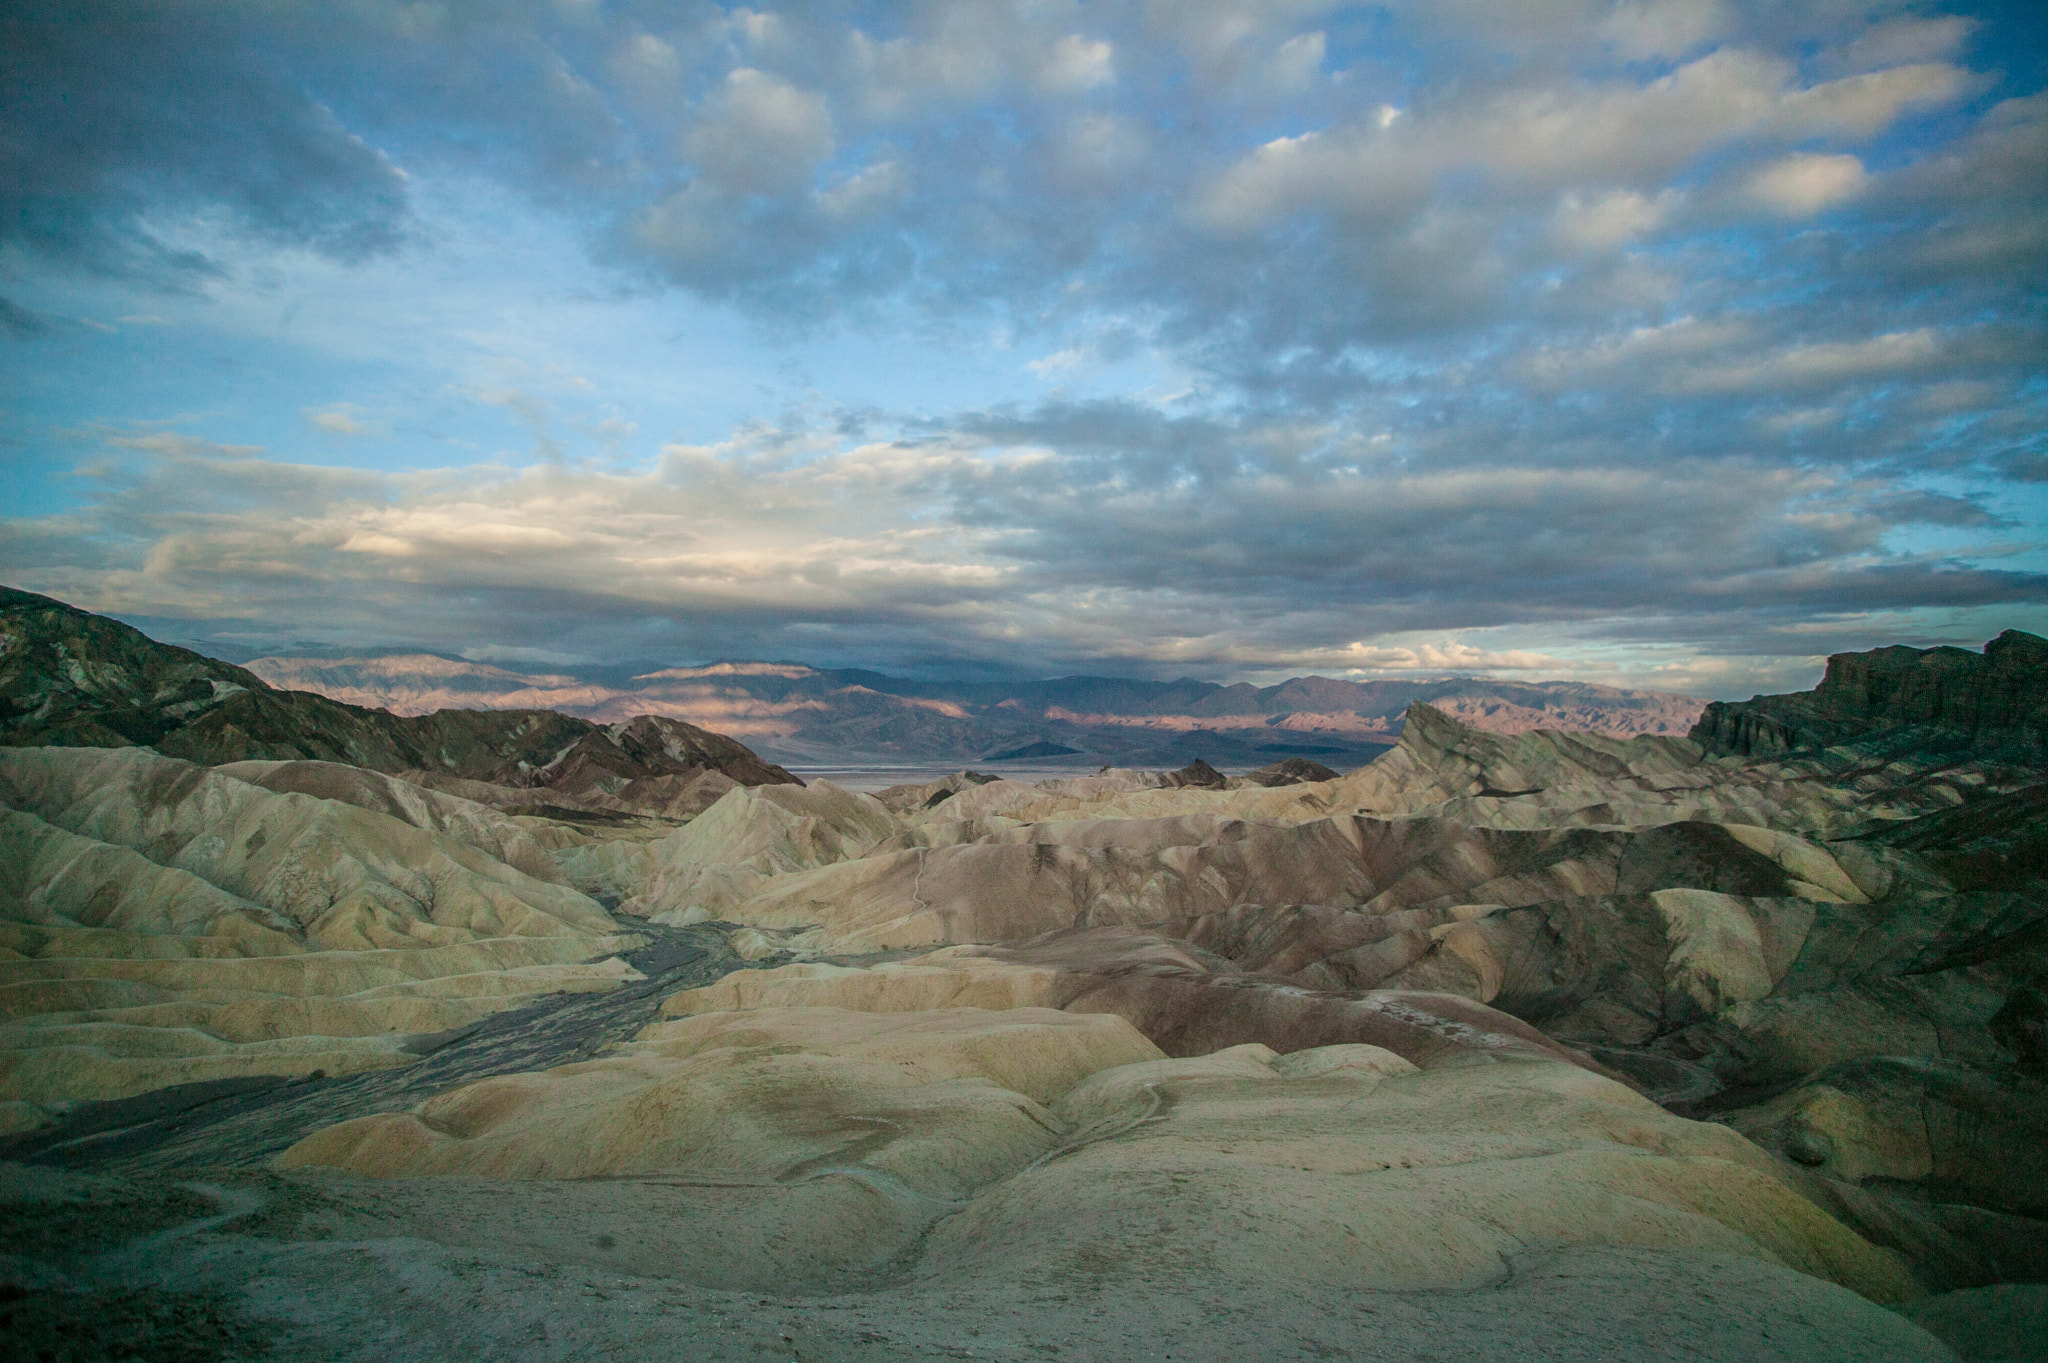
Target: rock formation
{"points": [[165, 923], [1932, 698]]}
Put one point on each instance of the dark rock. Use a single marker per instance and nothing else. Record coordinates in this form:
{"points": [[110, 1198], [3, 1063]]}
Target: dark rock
{"points": [[69, 678], [1808, 1147], [1198, 774], [2021, 1026], [1292, 771], [1995, 841], [1934, 697]]}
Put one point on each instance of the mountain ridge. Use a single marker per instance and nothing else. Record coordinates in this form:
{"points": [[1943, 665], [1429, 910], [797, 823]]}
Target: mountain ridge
{"points": [[795, 712], [70, 678]]}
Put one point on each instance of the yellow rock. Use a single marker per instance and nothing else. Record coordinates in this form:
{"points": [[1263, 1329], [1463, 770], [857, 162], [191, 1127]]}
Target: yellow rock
{"points": [[937, 1102], [162, 923], [1419, 1181]]}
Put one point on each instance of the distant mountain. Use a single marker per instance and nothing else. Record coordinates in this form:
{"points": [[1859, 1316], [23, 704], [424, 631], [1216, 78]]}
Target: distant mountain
{"points": [[69, 678], [794, 713]]}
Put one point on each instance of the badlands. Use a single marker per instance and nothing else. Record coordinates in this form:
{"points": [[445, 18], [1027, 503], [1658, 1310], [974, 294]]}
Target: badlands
{"points": [[334, 1034]]}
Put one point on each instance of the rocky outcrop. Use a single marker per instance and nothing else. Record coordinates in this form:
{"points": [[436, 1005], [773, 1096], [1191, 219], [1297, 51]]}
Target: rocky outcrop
{"points": [[1934, 698], [478, 825], [74, 679], [751, 836], [1291, 771]]}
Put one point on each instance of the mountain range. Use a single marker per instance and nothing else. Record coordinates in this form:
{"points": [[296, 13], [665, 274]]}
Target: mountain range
{"points": [[793, 713]]}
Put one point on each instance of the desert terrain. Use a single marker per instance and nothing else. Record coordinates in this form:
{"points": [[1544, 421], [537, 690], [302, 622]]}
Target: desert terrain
{"points": [[336, 1033]]}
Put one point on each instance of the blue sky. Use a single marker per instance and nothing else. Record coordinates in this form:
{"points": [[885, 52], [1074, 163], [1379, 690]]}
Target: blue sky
{"points": [[1670, 342]]}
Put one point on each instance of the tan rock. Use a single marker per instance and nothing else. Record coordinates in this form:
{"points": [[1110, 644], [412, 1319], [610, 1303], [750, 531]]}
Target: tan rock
{"points": [[162, 923], [939, 1102], [705, 868], [1421, 1181], [466, 821]]}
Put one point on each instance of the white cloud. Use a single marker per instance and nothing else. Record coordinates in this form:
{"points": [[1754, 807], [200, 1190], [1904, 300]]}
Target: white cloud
{"points": [[1865, 104], [1619, 216], [867, 193], [1101, 150], [345, 419], [1565, 138], [760, 135], [1899, 42], [1074, 64], [1803, 184], [979, 549], [1059, 363], [1445, 656], [1798, 368], [1664, 28]]}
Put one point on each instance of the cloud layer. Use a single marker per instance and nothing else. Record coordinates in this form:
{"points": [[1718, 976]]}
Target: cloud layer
{"points": [[1668, 342]]}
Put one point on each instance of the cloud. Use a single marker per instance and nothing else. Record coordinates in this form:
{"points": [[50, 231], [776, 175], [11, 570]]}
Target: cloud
{"points": [[343, 418], [95, 151], [1444, 656], [1576, 318], [1803, 184], [1610, 219], [760, 135], [1800, 368], [1038, 556], [1664, 28], [1076, 63]]}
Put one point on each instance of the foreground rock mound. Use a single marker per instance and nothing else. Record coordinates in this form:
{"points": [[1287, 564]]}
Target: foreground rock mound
{"points": [[1038, 1142]]}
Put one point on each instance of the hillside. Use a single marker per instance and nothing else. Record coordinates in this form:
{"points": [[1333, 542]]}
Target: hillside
{"points": [[69, 678]]}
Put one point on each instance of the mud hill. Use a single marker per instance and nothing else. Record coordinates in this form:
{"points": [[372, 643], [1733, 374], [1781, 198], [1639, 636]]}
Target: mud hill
{"points": [[1551, 1044]]}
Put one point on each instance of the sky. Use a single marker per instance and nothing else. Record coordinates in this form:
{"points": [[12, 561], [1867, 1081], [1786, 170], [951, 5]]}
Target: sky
{"points": [[1664, 343]]}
